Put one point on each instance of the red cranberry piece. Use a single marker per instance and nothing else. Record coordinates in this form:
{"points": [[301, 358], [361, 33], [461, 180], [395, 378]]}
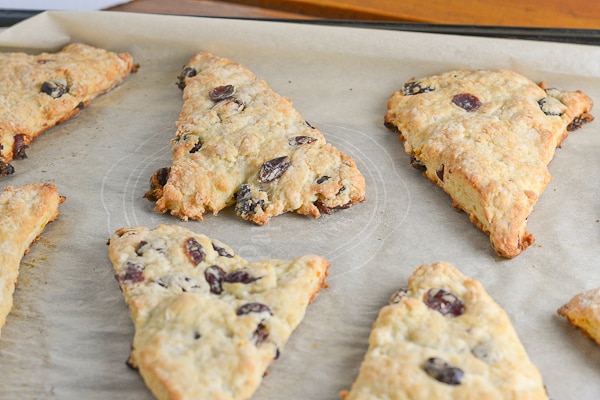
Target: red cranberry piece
{"points": [[273, 169], [444, 302], [222, 251], [579, 121], [19, 147], [440, 173], [194, 250], [221, 92], [443, 372], [134, 273], [261, 334], [300, 140], [240, 276], [467, 102], [187, 72], [54, 89], [245, 203], [253, 308], [414, 87], [214, 275]]}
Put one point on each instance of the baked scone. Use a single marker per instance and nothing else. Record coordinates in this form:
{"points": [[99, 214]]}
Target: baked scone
{"points": [[583, 311], [207, 322], [24, 213], [238, 142], [39, 91], [444, 337], [486, 138]]}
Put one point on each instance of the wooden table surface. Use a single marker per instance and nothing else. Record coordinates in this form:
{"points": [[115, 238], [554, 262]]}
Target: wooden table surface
{"points": [[580, 14]]}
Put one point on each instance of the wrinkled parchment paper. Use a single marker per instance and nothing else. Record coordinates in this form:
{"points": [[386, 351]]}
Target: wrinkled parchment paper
{"points": [[69, 333]]}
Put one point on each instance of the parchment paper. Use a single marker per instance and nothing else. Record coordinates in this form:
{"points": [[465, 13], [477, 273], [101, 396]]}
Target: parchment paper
{"points": [[69, 333]]}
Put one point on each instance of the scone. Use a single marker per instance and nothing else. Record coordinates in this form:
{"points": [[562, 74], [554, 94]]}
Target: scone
{"points": [[239, 143], [39, 91], [207, 322], [486, 138], [24, 213], [444, 337], [583, 311]]}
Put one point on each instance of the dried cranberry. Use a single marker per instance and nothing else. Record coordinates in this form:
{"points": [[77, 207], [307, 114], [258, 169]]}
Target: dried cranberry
{"points": [[194, 250], [546, 108], [253, 308], [240, 276], [186, 72], [416, 163], [222, 251], [140, 248], [54, 89], [221, 92], [6, 168], [440, 173], [300, 140], [398, 296], [19, 147], [323, 179], [444, 302], [214, 275], [261, 334], [134, 273], [467, 102], [414, 87], [246, 204], [579, 121], [273, 169], [323, 209], [443, 372]]}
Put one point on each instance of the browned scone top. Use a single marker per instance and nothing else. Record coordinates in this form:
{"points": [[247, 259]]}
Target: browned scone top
{"points": [[208, 323], [486, 138], [24, 213], [444, 337], [240, 143], [39, 91]]}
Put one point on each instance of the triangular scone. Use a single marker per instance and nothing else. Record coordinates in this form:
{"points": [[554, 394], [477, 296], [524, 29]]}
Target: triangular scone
{"points": [[486, 138], [207, 322], [583, 311], [24, 212], [238, 142], [445, 338], [39, 91]]}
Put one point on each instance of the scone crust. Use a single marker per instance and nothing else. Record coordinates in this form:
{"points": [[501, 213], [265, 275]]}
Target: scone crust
{"points": [[492, 159], [192, 341], [481, 342], [25, 211], [224, 144], [26, 110], [583, 312]]}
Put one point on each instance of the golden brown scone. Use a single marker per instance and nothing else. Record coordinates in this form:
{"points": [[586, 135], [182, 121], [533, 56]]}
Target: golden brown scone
{"points": [[444, 337], [39, 91], [207, 322], [583, 311], [240, 143], [24, 212], [486, 138]]}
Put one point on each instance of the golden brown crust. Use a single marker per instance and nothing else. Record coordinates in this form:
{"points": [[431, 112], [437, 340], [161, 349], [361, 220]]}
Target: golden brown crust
{"points": [[444, 337], [583, 312], [40, 91], [486, 138], [24, 212], [207, 322], [240, 143]]}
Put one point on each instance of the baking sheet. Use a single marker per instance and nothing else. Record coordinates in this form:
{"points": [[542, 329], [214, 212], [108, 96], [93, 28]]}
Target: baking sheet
{"points": [[69, 333]]}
